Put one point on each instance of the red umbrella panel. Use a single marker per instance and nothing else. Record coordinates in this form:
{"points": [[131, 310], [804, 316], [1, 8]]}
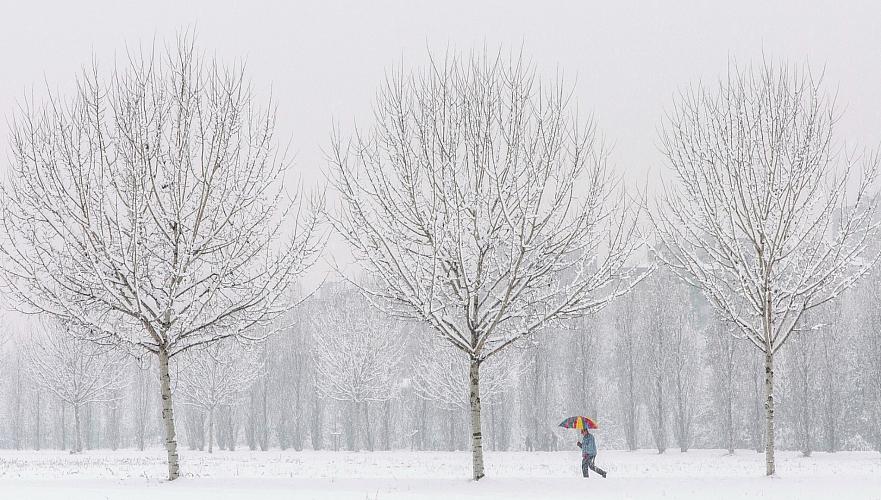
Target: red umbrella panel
{"points": [[579, 423]]}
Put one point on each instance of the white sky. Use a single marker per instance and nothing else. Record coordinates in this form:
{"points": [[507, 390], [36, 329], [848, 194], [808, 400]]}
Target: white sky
{"points": [[324, 60]]}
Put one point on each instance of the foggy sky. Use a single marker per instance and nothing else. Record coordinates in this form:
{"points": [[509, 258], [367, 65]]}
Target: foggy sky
{"points": [[323, 61]]}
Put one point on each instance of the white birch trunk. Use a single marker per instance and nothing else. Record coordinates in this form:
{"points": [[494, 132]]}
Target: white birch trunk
{"points": [[476, 438], [769, 413], [168, 415]]}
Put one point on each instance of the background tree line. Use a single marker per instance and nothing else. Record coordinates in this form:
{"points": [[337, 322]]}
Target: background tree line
{"points": [[656, 369]]}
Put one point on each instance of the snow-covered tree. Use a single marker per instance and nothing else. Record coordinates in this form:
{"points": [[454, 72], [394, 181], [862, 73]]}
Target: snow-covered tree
{"points": [[800, 361], [721, 356], [143, 401], [437, 370], [684, 367], [585, 345], [657, 322], [867, 380], [149, 207], [764, 216], [628, 367], [358, 356], [77, 371], [438, 373], [214, 376], [481, 205], [836, 349]]}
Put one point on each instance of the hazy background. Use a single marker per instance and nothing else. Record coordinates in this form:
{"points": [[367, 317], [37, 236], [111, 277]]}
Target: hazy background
{"points": [[324, 60]]}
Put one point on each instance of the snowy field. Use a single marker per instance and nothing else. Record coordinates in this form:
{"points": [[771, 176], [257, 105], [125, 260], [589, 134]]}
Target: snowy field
{"points": [[426, 475]]}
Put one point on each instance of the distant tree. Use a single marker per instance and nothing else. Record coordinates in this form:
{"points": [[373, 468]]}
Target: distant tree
{"points": [[658, 302], [143, 401], [800, 358], [721, 357], [629, 366], [868, 357], [77, 371], [216, 376], [763, 217], [684, 368], [836, 348], [437, 374], [358, 356], [586, 350]]}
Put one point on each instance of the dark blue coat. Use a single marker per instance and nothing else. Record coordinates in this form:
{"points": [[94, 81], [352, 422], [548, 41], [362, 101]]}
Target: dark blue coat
{"points": [[588, 445]]}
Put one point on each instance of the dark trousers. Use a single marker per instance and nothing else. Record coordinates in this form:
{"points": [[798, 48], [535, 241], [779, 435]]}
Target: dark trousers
{"points": [[587, 464]]}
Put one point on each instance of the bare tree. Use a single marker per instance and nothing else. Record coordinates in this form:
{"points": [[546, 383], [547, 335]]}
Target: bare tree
{"points": [[800, 361], [763, 217], [215, 376], [657, 305], [629, 366], [150, 208], [684, 370], [77, 371], [836, 349], [868, 343], [483, 207], [721, 355], [438, 370], [358, 356], [585, 370], [143, 401]]}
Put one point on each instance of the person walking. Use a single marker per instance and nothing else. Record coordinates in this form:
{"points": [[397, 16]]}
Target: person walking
{"points": [[589, 453]]}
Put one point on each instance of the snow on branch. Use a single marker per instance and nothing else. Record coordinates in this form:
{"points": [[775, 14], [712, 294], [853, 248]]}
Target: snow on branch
{"points": [[481, 204], [149, 205], [765, 214]]}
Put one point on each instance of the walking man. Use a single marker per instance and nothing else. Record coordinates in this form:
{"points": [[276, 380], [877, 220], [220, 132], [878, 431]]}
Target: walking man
{"points": [[589, 453]]}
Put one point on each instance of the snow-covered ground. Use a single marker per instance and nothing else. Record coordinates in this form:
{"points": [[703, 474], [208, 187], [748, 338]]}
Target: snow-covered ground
{"points": [[698, 474]]}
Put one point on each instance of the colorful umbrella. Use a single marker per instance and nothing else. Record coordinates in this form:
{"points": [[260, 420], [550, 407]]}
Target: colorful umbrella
{"points": [[579, 423]]}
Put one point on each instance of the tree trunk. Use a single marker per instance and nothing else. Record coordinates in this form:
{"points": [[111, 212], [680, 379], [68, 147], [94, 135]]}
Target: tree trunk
{"points": [[769, 411], [682, 425], [476, 439], [63, 428], [451, 431], [298, 406], [729, 409], [168, 415], [491, 436], [88, 437], [421, 434], [232, 429], [78, 443], [758, 404], [264, 415], [661, 437], [113, 426], [368, 436], [386, 425], [37, 429], [352, 434], [317, 438], [211, 430]]}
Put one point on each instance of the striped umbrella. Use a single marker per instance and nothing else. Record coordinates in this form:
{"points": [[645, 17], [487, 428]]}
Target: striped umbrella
{"points": [[579, 423]]}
